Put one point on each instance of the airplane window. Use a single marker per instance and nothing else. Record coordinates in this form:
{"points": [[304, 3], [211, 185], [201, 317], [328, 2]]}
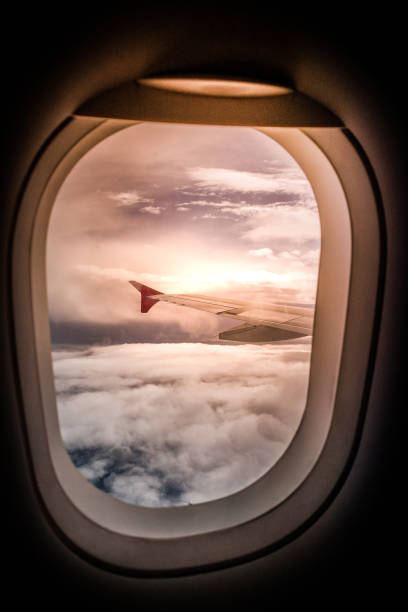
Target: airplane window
{"points": [[182, 267]]}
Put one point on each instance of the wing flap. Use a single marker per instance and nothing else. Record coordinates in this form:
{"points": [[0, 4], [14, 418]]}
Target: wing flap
{"points": [[258, 333], [263, 314]]}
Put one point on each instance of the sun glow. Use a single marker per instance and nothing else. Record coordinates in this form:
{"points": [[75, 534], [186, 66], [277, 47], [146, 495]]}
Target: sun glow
{"points": [[227, 278]]}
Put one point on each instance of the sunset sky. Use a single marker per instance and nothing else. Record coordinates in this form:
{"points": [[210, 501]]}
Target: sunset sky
{"points": [[180, 208], [153, 408]]}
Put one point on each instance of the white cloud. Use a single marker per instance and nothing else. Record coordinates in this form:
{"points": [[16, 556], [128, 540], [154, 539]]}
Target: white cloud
{"points": [[137, 486], [179, 423], [289, 181], [213, 204], [105, 273], [265, 252], [127, 198], [295, 224], [153, 210], [95, 469]]}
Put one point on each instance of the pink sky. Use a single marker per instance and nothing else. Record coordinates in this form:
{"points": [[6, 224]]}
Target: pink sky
{"points": [[182, 209]]}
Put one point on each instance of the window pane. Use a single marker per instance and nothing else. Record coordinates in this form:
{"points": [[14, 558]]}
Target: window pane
{"points": [[154, 407]]}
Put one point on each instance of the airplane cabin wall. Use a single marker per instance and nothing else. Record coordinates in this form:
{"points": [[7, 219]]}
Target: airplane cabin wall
{"points": [[51, 69]]}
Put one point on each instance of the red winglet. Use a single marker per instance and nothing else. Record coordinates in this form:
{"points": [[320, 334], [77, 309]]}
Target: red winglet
{"points": [[146, 292]]}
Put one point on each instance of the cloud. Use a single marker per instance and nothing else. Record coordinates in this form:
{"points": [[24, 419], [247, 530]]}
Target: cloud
{"points": [[291, 180], [171, 424], [208, 216], [215, 204], [107, 273], [153, 210], [127, 198], [264, 252], [295, 224], [291, 221]]}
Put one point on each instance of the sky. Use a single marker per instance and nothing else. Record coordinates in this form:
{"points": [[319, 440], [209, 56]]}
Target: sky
{"points": [[141, 397]]}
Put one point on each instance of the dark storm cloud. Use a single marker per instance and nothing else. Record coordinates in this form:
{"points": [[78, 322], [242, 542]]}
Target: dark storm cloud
{"points": [[175, 424]]}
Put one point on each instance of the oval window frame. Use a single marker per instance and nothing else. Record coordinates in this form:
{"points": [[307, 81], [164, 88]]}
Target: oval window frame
{"points": [[281, 503]]}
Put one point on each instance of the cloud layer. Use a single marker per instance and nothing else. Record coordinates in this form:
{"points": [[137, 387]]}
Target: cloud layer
{"points": [[171, 424]]}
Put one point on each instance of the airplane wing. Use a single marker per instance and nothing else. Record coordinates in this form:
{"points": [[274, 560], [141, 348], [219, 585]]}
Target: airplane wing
{"points": [[261, 322]]}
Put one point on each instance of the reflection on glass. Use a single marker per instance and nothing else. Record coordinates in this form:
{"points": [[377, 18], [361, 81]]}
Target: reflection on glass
{"points": [[154, 408]]}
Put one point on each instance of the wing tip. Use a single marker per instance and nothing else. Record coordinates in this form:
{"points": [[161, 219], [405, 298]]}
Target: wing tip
{"points": [[146, 292]]}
